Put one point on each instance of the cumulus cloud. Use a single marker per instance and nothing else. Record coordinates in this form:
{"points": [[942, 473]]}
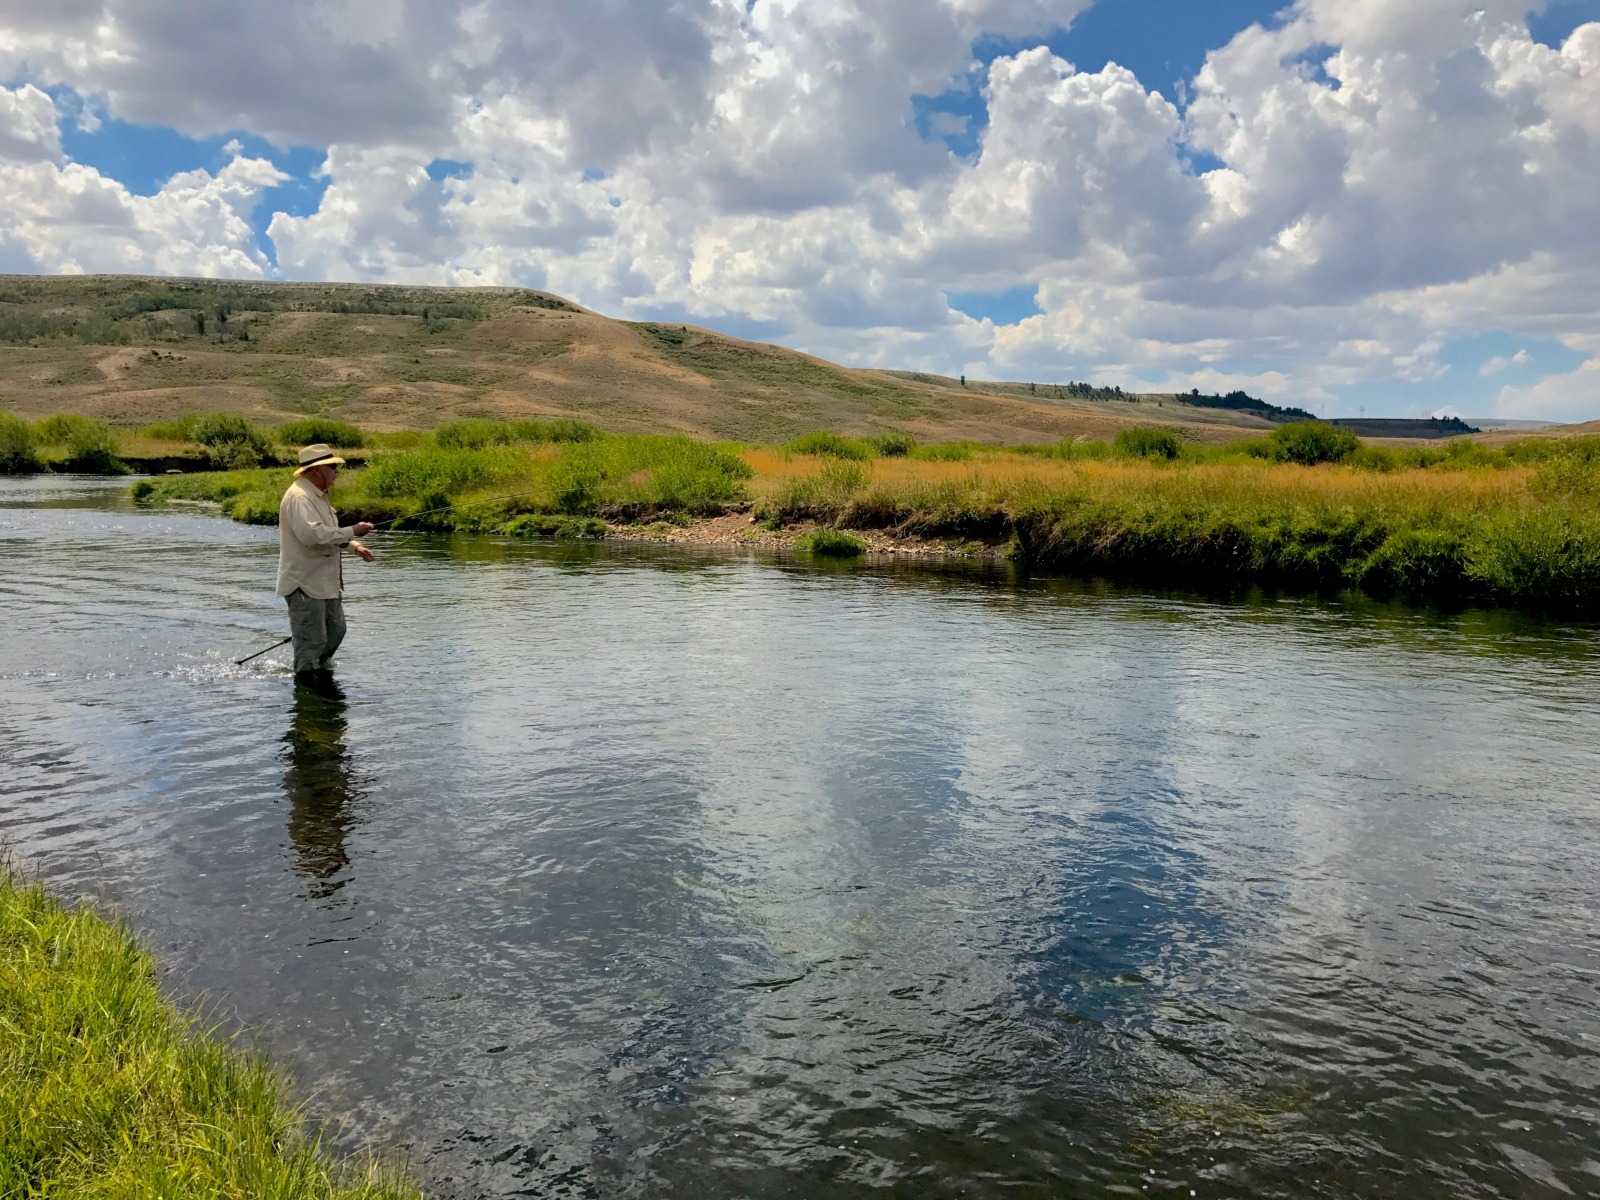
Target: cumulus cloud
{"points": [[63, 217], [1382, 177], [28, 131], [1499, 364], [1572, 396]]}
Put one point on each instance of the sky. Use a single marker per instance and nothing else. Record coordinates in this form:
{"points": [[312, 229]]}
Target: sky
{"points": [[1378, 206]]}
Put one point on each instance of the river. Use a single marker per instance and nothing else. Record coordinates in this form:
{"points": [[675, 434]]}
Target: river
{"points": [[616, 870]]}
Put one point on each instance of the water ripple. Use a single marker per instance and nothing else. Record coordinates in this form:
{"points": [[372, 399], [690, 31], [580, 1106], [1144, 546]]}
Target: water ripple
{"points": [[618, 871]]}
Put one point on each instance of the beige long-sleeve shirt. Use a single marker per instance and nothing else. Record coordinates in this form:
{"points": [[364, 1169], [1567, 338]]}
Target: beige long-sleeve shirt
{"points": [[310, 542]]}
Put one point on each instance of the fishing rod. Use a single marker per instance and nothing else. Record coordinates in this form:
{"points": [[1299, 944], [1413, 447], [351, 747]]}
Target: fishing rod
{"points": [[239, 662]]}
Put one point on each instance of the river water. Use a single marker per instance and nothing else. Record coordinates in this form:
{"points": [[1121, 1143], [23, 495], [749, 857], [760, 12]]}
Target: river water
{"points": [[619, 871]]}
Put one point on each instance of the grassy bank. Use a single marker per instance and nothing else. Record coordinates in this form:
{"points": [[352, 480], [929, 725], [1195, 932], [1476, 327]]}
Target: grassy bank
{"points": [[1309, 506], [107, 1090]]}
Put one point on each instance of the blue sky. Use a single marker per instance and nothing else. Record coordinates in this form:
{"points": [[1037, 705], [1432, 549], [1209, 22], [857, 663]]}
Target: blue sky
{"points": [[777, 201]]}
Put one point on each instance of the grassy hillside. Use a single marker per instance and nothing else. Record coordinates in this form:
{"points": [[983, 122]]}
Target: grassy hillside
{"points": [[133, 351]]}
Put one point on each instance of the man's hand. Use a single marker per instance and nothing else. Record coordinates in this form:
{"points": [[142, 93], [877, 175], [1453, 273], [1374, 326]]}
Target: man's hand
{"points": [[366, 555], [362, 528]]}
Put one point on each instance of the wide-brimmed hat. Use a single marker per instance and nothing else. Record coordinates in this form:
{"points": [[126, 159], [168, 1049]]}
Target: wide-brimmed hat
{"points": [[320, 455]]}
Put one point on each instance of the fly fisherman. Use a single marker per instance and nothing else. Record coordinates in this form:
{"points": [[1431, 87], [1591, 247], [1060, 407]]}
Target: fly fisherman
{"points": [[310, 563]]}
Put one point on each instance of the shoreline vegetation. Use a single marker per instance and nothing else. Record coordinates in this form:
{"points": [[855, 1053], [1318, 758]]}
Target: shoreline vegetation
{"points": [[109, 1089], [1309, 506]]}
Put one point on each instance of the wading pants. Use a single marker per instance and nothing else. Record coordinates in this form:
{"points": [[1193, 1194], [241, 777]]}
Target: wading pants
{"points": [[318, 628]]}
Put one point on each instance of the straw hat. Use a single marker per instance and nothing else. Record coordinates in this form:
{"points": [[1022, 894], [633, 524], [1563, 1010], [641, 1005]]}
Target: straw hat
{"points": [[320, 455]]}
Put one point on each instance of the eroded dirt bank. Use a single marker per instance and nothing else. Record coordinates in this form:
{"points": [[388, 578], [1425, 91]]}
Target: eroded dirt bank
{"points": [[742, 529]]}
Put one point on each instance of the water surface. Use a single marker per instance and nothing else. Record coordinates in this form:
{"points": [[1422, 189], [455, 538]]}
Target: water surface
{"points": [[619, 871]]}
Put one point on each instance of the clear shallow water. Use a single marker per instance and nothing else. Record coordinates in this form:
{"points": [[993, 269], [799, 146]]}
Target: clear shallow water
{"points": [[617, 871]]}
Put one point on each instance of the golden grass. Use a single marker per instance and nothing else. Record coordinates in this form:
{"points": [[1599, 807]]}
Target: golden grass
{"points": [[1493, 525]]}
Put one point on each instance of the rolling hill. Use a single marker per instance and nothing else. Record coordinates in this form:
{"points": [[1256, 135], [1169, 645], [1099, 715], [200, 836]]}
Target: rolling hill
{"points": [[135, 350]]}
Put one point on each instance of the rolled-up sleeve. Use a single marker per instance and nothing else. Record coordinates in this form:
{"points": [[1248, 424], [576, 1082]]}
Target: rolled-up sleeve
{"points": [[312, 528]]}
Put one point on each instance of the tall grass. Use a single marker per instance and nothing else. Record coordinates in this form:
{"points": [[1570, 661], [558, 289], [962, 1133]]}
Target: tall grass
{"points": [[1517, 524], [324, 430], [1509, 532], [1147, 443], [832, 445], [477, 433], [67, 442], [19, 446], [106, 1089], [232, 442], [82, 444], [445, 487]]}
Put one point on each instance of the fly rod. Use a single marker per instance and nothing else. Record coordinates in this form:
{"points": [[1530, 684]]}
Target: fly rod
{"points": [[239, 662]]}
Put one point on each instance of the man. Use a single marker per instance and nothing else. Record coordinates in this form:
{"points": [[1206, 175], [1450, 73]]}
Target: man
{"points": [[310, 569]]}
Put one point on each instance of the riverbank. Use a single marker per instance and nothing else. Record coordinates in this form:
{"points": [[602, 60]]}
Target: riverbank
{"points": [[108, 1089], [1307, 508]]}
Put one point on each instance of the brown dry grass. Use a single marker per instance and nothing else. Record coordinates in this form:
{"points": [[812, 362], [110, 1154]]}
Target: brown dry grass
{"points": [[388, 372]]}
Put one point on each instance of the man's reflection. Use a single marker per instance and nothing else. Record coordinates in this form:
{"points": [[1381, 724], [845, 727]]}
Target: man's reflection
{"points": [[321, 786]]}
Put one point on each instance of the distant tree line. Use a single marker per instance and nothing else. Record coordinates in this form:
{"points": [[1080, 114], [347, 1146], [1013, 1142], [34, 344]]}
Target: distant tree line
{"points": [[1244, 402], [1087, 391]]}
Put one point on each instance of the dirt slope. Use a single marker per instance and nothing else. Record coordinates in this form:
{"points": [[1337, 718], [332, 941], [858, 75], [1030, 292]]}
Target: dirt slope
{"points": [[134, 350]]}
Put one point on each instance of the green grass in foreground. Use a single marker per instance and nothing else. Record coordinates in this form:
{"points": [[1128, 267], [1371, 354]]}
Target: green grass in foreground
{"points": [[107, 1090]]}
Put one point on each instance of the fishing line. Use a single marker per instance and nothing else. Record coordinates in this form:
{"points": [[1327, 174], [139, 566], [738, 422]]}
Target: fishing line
{"points": [[428, 512]]}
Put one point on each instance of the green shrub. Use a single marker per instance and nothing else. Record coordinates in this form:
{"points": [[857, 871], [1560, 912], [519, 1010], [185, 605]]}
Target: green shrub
{"points": [[19, 446], [179, 430], [1572, 471], [1415, 562], [232, 442], [833, 543], [473, 433], [434, 471], [1382, 458], [575, 483], [694, 477], [558, 429], [312, 430], [1546, 555], [832, 445], [893, 444], [1140, 442], [1311, 442], [400, 439], [88, 447], [946, 452]]}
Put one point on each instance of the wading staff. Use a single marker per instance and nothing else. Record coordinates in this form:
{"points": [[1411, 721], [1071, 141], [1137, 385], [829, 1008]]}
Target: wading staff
{"points": [[239, 662]]}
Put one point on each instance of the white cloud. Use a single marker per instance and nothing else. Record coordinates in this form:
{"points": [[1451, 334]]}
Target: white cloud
{"points": [[28, 130], [1393, 175], [63, 217], [1573, 396], [1499, 364]]}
